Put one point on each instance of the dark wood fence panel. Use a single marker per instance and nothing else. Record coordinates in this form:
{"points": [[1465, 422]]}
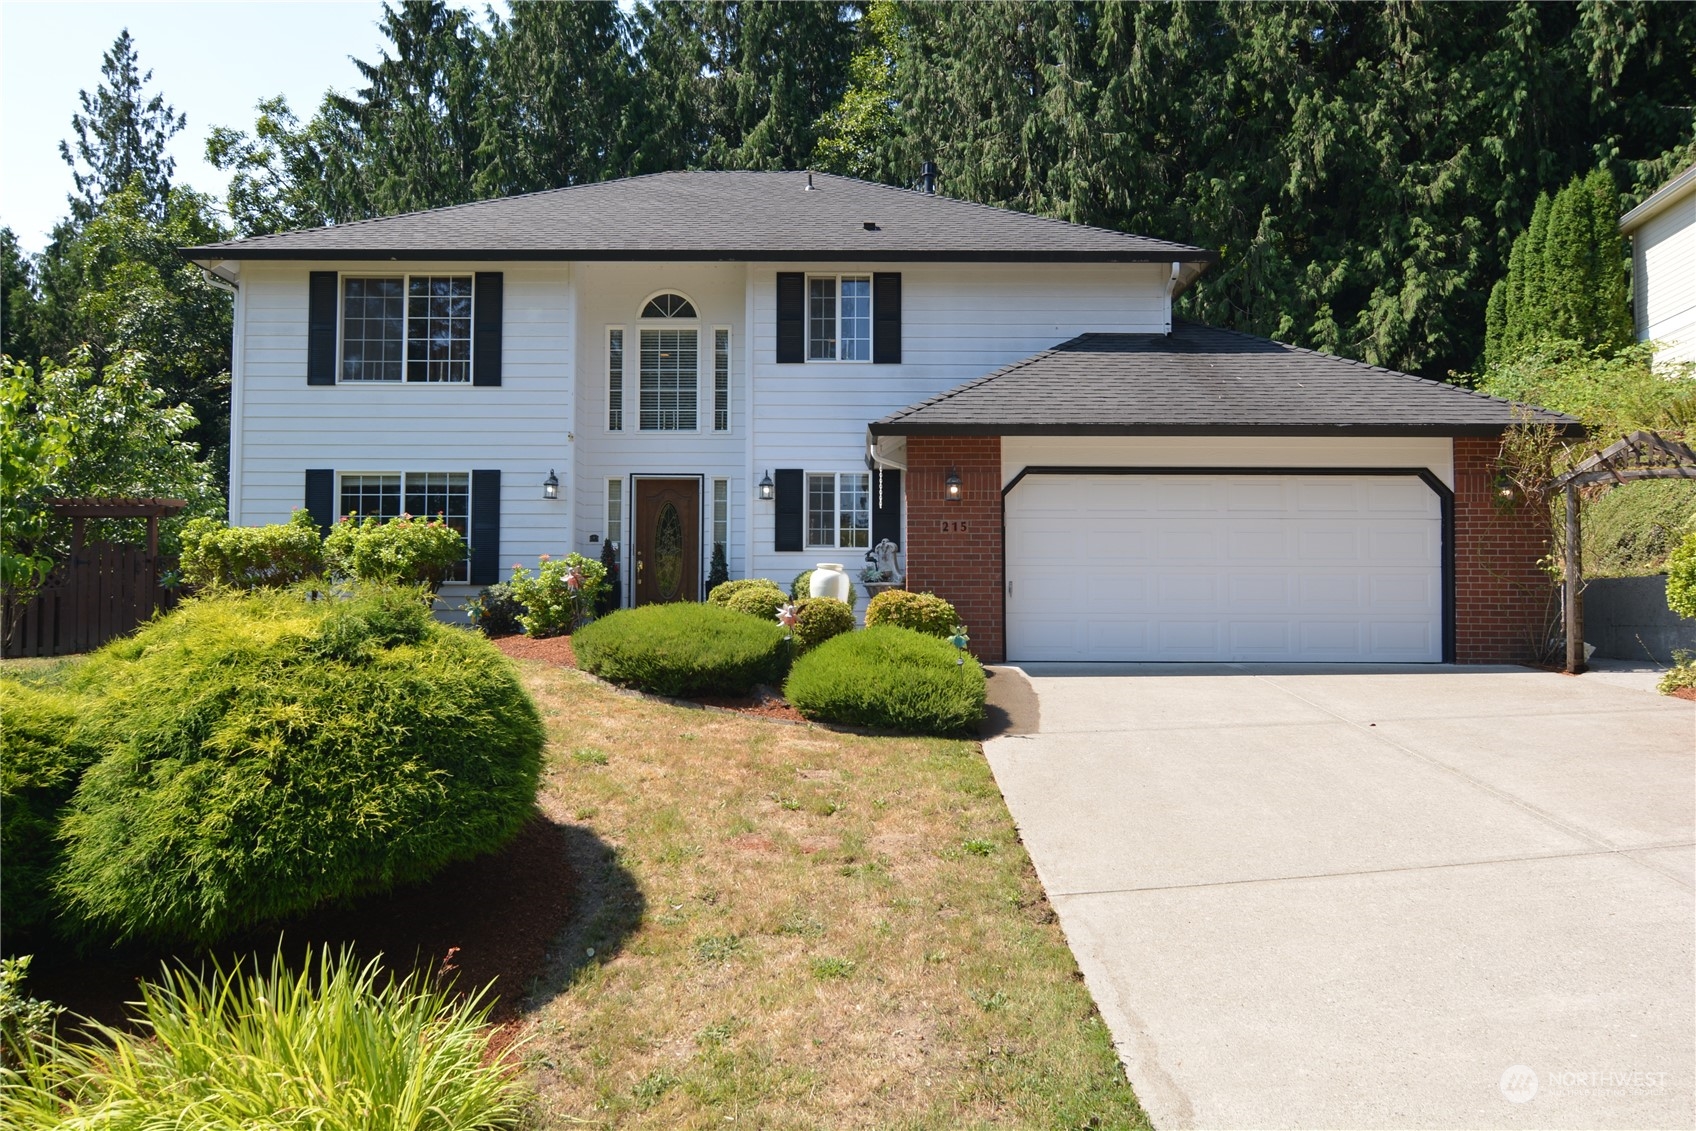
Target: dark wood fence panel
{"points": [[104, 591]]}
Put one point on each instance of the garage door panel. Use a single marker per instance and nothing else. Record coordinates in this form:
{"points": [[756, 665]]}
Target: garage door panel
{"points": [[1224, 567]]}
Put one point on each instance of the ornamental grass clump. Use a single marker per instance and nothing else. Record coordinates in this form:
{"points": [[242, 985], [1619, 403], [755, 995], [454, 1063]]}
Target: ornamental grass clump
{"points": [[263, 754], [396, 551], [334, 1046], [891, 678], [921, 612], [559, 596], [252, 557], [44, 750], [683, 649]]}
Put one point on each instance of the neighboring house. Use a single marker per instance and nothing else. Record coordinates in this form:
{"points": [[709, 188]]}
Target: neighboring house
{"points": [[1005, 396], [1663, 267]]}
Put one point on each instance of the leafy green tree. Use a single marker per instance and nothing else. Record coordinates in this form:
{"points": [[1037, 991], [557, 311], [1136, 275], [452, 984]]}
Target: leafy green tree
{"points": [[121, 134], [34, 447], [288, 174], [17, 300]]}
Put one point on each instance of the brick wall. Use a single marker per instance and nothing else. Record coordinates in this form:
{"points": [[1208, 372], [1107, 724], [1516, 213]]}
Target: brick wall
{"points": [[954, 549], [1503, 601]]}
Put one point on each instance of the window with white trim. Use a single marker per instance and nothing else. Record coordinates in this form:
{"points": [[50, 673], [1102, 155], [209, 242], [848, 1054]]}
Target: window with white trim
{"points": [[615, 378], [421, 494], [669, 380], [615, 511], [839, 318], [721, 379], [412, 327], [839, 510], [721, 515]]}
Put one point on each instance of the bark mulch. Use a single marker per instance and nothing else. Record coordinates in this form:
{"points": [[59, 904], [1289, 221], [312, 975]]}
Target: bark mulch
{"points": [[482, 920], [765, 702]]}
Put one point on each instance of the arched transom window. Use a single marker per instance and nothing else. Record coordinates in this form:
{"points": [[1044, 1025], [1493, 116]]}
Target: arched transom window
{"points": [[668, 305]]}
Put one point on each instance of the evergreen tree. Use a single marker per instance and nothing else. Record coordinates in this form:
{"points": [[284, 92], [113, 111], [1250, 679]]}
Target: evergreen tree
{"points": [[17, 302], [121, 134]]}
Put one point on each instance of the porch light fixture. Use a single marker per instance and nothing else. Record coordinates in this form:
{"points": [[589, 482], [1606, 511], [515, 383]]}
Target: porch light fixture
{"points": [[550, 485], [952, 485], [767, 488]]}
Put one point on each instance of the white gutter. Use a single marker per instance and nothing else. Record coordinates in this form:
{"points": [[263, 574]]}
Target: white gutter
{"points": [[1662, 199]]}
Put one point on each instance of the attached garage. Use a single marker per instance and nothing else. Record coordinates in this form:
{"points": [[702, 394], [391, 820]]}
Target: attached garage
{"points": [[1209, 496], [1225, 566]]}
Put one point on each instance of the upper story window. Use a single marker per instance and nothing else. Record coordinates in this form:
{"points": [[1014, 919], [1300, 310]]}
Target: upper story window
{"points": [[668, 306], [417, 326], [839, 318]]}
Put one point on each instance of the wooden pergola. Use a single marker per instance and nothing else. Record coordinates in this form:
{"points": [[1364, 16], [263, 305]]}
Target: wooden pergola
{"points": [[1641, 455]]}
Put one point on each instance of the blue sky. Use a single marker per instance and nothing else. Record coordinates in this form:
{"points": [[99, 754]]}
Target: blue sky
{"points": [[212, 61]]}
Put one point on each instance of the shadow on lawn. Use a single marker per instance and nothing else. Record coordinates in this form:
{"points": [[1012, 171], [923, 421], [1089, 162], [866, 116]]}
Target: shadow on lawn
{"points": [[523, 918]]}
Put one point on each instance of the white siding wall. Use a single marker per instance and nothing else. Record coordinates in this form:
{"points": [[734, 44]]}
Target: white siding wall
{"points": [[959, 322], [286, 426], [1435, 453], [1664, 276]]}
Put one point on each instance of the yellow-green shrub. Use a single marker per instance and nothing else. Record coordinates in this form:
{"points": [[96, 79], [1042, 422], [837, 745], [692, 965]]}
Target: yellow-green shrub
{"points": [[921, 612], [44, 750]]}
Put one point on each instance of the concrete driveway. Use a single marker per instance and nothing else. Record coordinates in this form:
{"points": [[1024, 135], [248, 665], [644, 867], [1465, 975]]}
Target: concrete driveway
{"points": [[1381, 897]]}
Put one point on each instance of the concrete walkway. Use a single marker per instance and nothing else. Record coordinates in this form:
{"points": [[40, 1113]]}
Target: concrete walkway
{"points": [[1381, 897]]}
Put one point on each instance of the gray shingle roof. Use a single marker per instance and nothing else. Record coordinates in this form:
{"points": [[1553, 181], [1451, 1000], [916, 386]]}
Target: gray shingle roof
{"points": [[1200, 379], [714, 216]]}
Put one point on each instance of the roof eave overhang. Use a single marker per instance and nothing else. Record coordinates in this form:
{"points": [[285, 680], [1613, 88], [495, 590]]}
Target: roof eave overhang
{"points": [[1565, 427], [1668, 195], [205, 255]]}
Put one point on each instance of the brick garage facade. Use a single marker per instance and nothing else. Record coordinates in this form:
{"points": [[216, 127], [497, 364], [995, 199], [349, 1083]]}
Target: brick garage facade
{"points": [[1504, 602], [954, 548]]}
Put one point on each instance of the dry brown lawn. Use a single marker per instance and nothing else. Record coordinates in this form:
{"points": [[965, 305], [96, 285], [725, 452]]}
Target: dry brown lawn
{"points": [[793, 927]]}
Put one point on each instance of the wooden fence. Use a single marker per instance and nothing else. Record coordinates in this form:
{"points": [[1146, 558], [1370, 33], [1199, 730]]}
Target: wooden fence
{"points": [[103, 591]]}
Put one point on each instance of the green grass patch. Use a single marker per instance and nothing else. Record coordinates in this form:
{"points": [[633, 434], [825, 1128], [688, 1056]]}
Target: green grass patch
{"points": [[683, 649], [889, 677]]}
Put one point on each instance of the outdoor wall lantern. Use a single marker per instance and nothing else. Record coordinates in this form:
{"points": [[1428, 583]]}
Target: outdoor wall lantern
{"points": [[767, 488], [550, 485], [952, 485]]}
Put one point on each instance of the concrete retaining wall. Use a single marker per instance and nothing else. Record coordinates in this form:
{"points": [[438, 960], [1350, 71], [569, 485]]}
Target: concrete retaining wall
{"points": [[1627, 618]]}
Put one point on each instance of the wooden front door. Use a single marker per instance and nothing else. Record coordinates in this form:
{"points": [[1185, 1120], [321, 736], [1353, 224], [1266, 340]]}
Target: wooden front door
{"points": [[668, 540]]}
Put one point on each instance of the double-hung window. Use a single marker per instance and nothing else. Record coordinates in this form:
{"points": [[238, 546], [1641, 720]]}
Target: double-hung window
{"points": [[839, 318], [668, 373], [839, 510], [414, 327], [422, 494]]}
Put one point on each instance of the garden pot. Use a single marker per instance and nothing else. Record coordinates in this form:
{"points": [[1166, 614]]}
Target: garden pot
{"points": [[829, 580]]}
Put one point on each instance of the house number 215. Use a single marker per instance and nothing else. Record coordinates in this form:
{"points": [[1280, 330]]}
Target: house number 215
{"points": [[948, 525]]}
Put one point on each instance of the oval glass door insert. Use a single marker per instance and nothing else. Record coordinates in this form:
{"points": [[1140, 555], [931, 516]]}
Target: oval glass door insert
{"points": [[668, 553]]}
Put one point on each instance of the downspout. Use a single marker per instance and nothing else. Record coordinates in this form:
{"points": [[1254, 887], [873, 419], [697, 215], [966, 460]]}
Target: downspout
{"points": [[1171, 286]]}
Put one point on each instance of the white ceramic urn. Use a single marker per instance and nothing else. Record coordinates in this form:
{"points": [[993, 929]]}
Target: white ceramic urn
{"points": [[829, 580]]}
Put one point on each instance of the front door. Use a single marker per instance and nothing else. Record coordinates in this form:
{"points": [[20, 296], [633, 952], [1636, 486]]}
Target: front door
{"points": [[668, 540]]}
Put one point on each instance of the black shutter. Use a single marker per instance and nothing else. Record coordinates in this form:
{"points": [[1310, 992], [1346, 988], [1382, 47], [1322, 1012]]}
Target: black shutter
{"points": [[791, 318], [886, 506], [321, 329], [485, 527], [486, 330], [791, 509], [886, 318], [321, 497]]}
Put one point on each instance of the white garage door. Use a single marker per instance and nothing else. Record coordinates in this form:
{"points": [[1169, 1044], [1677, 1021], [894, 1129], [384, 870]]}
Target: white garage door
{"points": [[1224, 567]]}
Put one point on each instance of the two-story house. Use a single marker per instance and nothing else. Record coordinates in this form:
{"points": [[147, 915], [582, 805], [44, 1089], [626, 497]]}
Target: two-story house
{"points": [[795, 366], [1663, 267]]}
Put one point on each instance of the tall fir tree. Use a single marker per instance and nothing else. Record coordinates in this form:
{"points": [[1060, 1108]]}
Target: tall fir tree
{"points": [[121, 134], [17, 302]]}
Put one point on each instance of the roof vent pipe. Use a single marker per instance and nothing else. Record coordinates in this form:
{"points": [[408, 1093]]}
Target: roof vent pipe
{"points": [[809, 187], [927, 178]]}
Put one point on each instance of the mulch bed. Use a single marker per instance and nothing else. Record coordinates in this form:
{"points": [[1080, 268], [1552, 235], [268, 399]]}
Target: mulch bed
{"points": [[1684, 693], [482, 920], [765, 702]]}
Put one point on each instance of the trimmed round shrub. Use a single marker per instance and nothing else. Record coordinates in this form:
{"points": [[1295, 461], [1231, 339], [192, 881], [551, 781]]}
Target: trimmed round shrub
{"points": [[43, 753], [889, 677], [801, 588], [759, 602], [817, 619], [264, 754], [683, 649], [1681, 578], [722, 593], [921, 612]]}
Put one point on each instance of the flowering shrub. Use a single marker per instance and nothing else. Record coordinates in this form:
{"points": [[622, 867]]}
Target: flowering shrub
{"points": [[252, 557], [561, 594], [402, 550]]}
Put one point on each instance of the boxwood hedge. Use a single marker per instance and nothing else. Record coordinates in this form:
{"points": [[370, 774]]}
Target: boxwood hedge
{"points": [[817, 619], [922, 612], [262, 754], [683, 649], [889, 677]]}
